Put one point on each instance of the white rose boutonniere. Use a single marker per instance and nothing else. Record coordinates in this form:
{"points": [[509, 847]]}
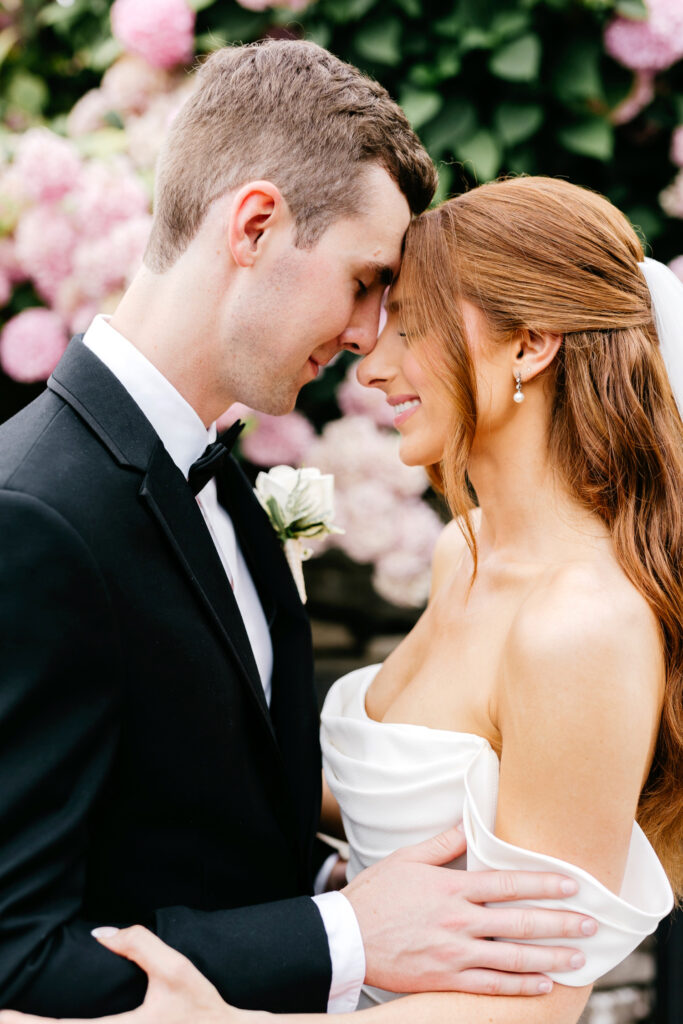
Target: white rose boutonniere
{"points": [[300, 506]]}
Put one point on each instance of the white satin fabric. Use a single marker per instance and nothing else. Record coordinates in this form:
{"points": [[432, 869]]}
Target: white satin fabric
{"points": [[398, 784]]}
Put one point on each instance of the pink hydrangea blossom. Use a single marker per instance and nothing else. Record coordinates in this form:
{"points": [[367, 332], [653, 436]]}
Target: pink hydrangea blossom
{"points": [[653, 44], [131, 83], [31, 344], [671, 199], [5, 288], [45, 242], [88, 114], [109, 193], [354, 399], [146, 132], [159, 31], [677, 266], [355, 449], [13, 199], [641, 95], [677, 146], [48, 165], [278, 440], [366, 511], [9, 261], [107, 264], [402, 578], [237, 411]]}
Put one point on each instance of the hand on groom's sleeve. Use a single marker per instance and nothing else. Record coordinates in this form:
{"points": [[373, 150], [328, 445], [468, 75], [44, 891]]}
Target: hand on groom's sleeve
{"points": [[60, 669]]}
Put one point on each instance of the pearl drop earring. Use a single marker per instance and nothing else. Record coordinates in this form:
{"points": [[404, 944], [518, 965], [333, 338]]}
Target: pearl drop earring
{"points": [[519, 394]]}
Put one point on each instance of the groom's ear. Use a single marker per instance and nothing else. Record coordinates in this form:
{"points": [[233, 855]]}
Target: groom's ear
{"points": [[256, 209]]}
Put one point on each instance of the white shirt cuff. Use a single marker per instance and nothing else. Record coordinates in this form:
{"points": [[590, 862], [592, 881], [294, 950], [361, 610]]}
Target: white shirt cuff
{"points": [[346, 951], [324, 873]]}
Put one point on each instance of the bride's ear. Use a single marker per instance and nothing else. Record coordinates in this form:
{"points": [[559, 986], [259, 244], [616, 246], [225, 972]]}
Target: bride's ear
{"points": [[534, 352]]}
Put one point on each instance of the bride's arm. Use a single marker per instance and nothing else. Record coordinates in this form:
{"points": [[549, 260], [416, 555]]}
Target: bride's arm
{"points": [[578, 709], [330, 815]]}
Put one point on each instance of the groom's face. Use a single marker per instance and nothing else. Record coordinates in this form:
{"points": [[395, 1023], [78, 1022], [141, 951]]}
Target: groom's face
{"points": [[306, 305]]}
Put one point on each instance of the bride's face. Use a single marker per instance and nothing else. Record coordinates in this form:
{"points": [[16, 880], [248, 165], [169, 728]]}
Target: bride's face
{"points": [[422, 405], [413, 378]]}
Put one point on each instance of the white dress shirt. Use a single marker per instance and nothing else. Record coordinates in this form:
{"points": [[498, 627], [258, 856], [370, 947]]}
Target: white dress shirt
{"points": [[185, 437]]}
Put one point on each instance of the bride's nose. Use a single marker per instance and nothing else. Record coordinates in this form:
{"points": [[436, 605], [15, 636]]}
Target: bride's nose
{"points": [[375, 370]]}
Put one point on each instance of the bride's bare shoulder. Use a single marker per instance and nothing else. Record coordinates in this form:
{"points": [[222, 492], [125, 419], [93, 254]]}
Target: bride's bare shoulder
{"points": [[450, 549], [585, 626]]}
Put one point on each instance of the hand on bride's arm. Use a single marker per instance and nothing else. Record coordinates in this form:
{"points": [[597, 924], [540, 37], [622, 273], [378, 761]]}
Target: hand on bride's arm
{"points": [[176, 994], [425, 928]]}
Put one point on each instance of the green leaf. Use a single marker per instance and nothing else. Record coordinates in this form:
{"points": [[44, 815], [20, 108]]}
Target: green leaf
{"points": [[28, 92], [380, 41], [635, 9], [412, 8], [576, 73], [518, 61], [516, 122], [449, 27], [477, 39], [419, 106], [443, 189], [343, 11], [592, 136], [646, 221], [56, 14], [101, 56], [200, 5], [319, 33], [456, 122], [483, 151], [509, 23], [235, 25]]}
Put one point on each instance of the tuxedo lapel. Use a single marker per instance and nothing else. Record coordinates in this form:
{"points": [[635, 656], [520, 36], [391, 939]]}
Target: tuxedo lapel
{"points": [[83, 381], [170, 500]]}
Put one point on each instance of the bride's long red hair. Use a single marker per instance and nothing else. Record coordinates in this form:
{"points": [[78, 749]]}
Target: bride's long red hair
{"points": [[539, 254]]}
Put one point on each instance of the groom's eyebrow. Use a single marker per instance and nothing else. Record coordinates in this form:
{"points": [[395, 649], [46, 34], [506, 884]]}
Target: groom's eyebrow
{"points": [[381, 272]]}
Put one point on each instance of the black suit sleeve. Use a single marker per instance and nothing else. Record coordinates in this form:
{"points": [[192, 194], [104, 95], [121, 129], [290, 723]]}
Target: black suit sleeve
{"points": [[60, 661]]}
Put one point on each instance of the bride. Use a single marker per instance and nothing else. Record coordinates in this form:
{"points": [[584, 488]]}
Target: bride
{"points": [[539, 698]]}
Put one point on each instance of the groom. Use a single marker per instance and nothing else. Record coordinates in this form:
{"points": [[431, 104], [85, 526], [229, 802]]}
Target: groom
{"points": [[159, 760]]}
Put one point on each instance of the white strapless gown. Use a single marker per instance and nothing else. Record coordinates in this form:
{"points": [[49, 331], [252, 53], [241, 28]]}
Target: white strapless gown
{"points": [[398, 784]]}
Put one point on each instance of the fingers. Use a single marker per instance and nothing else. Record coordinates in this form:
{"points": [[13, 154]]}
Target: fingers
{"points": [[441, 849], [501, 886], [145, 949], [526, 959], [497, 983], [532, 923]]}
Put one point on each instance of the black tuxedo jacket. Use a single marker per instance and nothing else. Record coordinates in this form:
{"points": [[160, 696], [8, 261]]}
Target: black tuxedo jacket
{"points": [[142, 776]]}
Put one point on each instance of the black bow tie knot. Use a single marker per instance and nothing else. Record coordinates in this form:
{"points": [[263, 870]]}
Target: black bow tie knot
{"points": [[206, 466]]}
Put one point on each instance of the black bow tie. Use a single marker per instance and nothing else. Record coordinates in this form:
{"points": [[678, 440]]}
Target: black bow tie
{"points": [[206, 466]]}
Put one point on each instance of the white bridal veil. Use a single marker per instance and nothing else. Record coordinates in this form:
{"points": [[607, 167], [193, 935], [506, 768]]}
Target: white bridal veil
{"points": [[667, 304]]}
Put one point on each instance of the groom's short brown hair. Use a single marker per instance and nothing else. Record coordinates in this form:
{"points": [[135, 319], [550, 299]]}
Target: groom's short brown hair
{"points": [[292, 113]]}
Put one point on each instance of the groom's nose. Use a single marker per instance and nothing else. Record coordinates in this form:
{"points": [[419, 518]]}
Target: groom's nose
{"points": [[360, 334]]}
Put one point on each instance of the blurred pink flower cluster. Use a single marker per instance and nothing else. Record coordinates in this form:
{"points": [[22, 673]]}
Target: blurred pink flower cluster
{"points": [[379, 505], [159, 31], [76, 228], [671, 199], [378, 500], [31, 344], [652, 44]]}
